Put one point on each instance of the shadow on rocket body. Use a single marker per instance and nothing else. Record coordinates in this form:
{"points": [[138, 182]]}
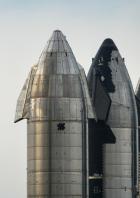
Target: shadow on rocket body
{"points": [[99, 133]]}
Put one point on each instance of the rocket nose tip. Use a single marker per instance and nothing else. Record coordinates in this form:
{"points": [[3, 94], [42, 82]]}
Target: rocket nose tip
{"points": [[108, 42], [57, 35], [57, 43], [57, 30]]}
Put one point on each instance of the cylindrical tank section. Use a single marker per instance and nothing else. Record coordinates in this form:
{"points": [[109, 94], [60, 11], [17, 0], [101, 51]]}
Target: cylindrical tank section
{"points": [[120, 152], [57, 132], [57, 126]]}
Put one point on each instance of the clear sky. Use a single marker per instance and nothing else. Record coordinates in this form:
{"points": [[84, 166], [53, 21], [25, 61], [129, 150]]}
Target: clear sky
{"points": [[25, 27]]}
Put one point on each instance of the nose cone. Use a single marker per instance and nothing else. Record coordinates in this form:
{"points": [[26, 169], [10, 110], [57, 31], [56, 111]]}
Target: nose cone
{"points": [[57, 75], [108, 61], [109, 43], [57, 48], [58, 43], [109, 68], [106, 49]]}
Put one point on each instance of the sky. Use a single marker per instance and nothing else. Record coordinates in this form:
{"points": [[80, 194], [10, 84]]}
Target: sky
{"points": [[25, 27]]}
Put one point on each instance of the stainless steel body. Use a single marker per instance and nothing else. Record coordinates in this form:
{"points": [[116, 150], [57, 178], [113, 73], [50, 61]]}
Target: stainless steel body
{"points": [[56, 103], [120, 157], [137, 92]]}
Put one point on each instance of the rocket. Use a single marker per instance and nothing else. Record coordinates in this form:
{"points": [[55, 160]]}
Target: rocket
{"points": [[114, 101], [56, 103], [82, 133]]}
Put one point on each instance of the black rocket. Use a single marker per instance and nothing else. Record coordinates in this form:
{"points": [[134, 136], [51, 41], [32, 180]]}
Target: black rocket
{"points": [[116, 136]]}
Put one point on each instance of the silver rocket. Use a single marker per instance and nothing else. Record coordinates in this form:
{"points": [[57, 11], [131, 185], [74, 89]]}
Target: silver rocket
{"points": [[114, 101], [56, 104]]}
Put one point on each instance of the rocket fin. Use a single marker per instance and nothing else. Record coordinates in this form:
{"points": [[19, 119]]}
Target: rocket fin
{"points": [[22, 108], [90, 109], [102, 101]]}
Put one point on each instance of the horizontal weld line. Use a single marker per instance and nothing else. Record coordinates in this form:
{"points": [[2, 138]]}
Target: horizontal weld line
{"points": [[118, 188], [65, 172], [58, 133], [30, 121], [118, 164], [54, 183], [30, 172], [53, 120], [54, 146], [52, 159], [120, 177]]}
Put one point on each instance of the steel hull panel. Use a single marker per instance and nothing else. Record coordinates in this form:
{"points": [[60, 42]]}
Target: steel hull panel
{"points": [[56, 86], [57, 177], [41, 153], [42, 127], [115, 193], [56, 109], [120, 181], [57, 140], [56, 190]]}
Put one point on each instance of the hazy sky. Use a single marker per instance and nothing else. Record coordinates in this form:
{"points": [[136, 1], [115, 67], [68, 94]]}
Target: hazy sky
{"points": [[25, 27]]}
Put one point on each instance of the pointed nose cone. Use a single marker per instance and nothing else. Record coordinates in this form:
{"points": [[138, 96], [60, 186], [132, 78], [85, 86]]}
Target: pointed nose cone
{"points": [[57, 57], [106, 48], [109, 43], [106, 59], [56, 46], [106, 62], [58, 43], [109, 66], [60, 39]]}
